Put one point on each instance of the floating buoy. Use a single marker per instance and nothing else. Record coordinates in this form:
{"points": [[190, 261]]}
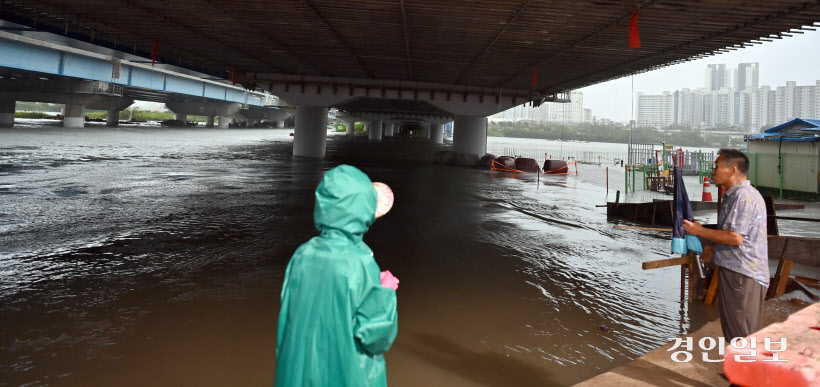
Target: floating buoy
{"points": [[486, 162], [555, 166], [506, 162], [291, 134], [526, 164], [444, 158]]}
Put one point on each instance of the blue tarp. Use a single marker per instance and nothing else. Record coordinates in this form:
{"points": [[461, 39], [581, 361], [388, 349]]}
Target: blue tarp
{"points": [[682, 243]]}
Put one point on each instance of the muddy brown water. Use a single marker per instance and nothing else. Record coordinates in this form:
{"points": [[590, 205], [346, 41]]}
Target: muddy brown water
{"points": [[148, 256]]}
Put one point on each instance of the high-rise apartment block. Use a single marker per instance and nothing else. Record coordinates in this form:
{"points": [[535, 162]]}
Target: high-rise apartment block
{"points": [[742, 103], [572, 112], [716, 77]]}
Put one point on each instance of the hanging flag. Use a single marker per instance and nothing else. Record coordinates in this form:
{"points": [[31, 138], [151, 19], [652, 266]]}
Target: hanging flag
{"points": [[534, 76], [154, 53], [681, 242], [233, 75], [634, 37]]}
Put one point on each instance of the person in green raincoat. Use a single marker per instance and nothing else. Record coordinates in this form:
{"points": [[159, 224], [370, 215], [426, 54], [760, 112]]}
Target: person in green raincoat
{"points": [[337, 319]]}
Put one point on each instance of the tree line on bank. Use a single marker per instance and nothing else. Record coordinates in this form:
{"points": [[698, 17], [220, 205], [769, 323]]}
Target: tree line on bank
{"points": [[616, 133]]}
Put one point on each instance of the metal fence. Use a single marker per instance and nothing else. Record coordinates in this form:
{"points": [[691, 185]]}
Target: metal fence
{"points": [[694, 163]]}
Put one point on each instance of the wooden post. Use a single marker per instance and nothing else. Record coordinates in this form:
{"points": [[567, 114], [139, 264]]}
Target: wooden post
{"points": [[712, 292], [683, 282], [784, 266], [691, 277], [784, 277], [617, 198]]}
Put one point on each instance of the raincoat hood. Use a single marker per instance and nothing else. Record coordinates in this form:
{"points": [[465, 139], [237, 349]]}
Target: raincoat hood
{"points": [[345, 201]]}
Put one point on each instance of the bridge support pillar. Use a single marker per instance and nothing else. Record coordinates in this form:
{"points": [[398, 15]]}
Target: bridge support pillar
{"points": [[7, 107], [250, 122], [310, 134], [437, 133], [388, 130], [470, 134], [112, 118], [280, 124], [223, 122], [181, 117], [375, 130], [428, 129], [209, 121], [74, 116], [351, 128]]}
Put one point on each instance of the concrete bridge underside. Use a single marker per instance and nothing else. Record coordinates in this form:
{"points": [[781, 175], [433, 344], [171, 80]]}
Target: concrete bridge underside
{"points": [[427, 60]]}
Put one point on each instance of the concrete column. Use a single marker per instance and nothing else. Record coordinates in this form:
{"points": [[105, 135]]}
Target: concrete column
{"points": [[310, 135], [209, 121], [181, 117], [112, 118], [375, 130], [428, 129], [250, 122], [7, 107], [223, 122], [437, 133], [280, 124], [388, 130], [351, 128], [470, 134], [74, 116]]}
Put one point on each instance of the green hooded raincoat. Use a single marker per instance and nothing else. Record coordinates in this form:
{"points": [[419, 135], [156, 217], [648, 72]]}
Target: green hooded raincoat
{"points": [[336, 319]]}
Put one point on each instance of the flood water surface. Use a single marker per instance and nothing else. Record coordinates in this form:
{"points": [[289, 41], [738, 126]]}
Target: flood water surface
{"points": [[148, 256]]}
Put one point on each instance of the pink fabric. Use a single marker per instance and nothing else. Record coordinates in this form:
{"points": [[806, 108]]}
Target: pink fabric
{"points": [[388, 280]]}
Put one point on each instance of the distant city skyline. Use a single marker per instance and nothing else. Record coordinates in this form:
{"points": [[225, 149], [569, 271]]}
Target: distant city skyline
{"points": [[793, 58]]}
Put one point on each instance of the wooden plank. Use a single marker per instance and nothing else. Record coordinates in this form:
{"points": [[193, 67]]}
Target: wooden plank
{"points": [[784, 278], [643, 228], [806, 290], [796, 218], [712, 292], [812, 282], [682, 260]]}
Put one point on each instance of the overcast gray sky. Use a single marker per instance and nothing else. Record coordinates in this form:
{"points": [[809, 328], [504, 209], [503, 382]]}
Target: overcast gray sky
{"points": [[796, 58]]}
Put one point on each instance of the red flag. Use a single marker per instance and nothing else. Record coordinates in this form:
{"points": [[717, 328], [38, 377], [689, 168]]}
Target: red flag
{"points": [[634, 37], [534, 76], [154, 53], [233, 75]]}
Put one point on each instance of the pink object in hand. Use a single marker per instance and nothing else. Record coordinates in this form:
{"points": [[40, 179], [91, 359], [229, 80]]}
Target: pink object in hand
{"points": [[389, 280]]}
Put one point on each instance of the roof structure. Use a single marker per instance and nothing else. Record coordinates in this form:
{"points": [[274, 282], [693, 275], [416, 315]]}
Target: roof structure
{"points": [[798, 129], [489, 44]]}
